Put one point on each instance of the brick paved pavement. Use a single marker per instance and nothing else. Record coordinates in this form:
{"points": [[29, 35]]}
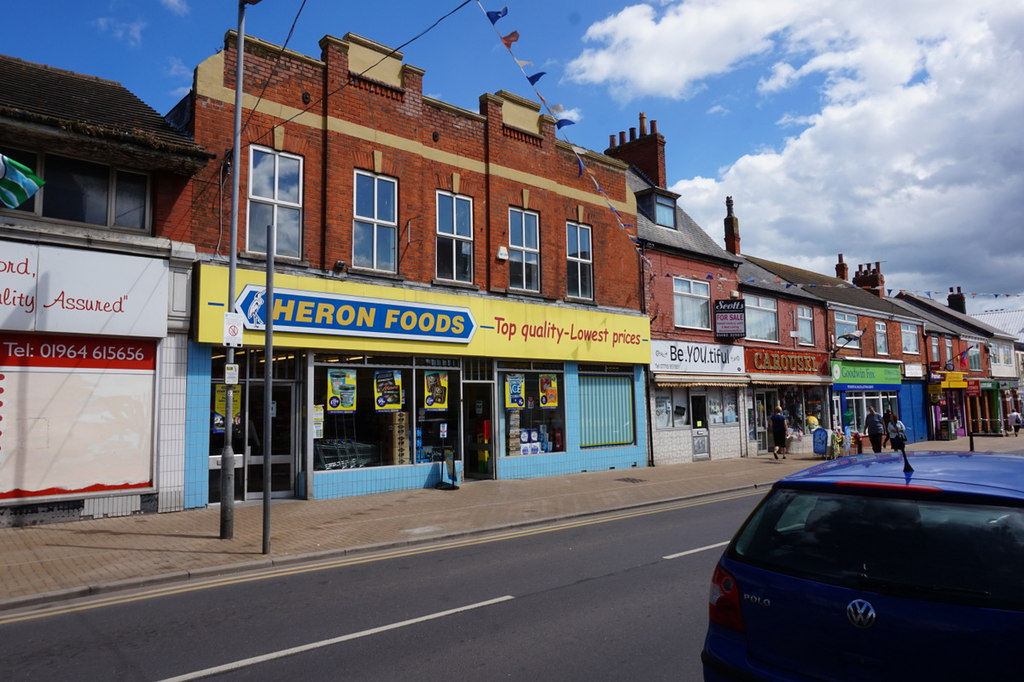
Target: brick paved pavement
{"points": [[60, 561]]}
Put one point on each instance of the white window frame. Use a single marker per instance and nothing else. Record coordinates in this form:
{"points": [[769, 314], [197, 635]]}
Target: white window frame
{"points": [[949, 349], [520, 254], [909, 337], [581, 263], [664, 211], [846, 323], [380, 225], [881, 338], [934, 341], [762, 307], [286, 212], [691, 295], [805, 324], [450, 239]]}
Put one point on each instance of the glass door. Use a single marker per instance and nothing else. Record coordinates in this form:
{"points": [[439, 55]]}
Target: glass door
{"points": [[701, 432], [283, 417], [761, 420], [478, 430]]}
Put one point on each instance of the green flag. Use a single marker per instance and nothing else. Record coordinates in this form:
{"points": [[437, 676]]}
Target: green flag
{"points": [[17, 183]]}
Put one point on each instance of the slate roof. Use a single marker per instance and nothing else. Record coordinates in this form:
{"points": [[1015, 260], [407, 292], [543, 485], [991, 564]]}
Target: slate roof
{"points": [[831, 289], [944, 311], [41, 104], [687, 236], [933, 323]]}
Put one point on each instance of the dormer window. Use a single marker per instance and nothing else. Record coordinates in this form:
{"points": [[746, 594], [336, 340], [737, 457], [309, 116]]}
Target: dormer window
{"points": [[665, 211]]}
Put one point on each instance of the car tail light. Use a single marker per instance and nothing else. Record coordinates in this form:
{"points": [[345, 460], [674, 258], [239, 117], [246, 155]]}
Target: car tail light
{"points": [[724, 600]]}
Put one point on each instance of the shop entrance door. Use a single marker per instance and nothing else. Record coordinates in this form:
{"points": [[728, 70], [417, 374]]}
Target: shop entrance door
{"points": [[763, 408], [699, 422], [478, 435], [283, 446]]}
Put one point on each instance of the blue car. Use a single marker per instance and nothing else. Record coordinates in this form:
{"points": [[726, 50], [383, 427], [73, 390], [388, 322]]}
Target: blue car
{"points": [[876, 567]]}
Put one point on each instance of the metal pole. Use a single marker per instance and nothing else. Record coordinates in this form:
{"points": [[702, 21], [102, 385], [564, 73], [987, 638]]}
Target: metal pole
{"points": [[227, 456], [268, 382]]}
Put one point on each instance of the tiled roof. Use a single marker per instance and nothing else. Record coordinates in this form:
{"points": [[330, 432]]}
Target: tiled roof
{"points": [[955, 316], [75, 104]]}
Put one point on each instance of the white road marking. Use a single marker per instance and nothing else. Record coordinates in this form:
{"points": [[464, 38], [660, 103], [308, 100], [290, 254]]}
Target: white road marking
{"points": [[694, 551], [329, 642]]}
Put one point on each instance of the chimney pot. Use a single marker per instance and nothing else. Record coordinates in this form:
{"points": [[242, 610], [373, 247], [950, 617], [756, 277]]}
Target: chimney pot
{"points": [[654, 127], [622, 137], [643, 124], [611, 140], [632, 134]]}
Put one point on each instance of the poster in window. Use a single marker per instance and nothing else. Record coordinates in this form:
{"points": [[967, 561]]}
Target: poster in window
{"points": [[514, 385], [220, 406], [387, 388], [341, 390], [435, 392], [548, 391]]}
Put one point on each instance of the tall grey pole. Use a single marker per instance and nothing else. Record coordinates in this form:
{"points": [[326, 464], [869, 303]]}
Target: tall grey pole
{"points": [[227, 456], [268, 383]]}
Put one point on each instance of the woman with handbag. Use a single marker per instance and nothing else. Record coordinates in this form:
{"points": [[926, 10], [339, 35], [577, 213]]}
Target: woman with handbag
{"points": [[897, 432]]}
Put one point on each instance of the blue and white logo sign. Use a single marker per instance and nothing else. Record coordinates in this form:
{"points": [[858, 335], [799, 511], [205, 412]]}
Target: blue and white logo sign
{"points": [[312, 312]]}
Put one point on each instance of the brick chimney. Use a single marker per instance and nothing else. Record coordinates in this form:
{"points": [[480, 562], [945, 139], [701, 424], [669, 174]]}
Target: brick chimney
{"points": [[871, 278], [732, 229], [646, 151], [842, 270], [957, 301]]}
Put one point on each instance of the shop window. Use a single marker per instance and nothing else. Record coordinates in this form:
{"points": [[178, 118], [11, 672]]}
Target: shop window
{"points": [[804, 407], [670, 408], [86, 192], [454, 237], [534, 402], [692, 303], [580, 265], [275, 198], [722, 406], [805, 324], [846, 324], [523, 250], [881, 339], [762, 320], [607, 415], [375, 228], [911, 342]]}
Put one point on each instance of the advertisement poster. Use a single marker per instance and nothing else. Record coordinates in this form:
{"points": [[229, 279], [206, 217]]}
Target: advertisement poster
{"points": [[548, 391], [435, 391], [387, 389], [514, 384], [220, 406], [341, 390]]}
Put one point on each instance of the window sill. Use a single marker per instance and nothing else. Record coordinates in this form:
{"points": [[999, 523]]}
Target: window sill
{"points": [[454, 284], [370, 272], [526, 293], [261, 257], [581, 301]]}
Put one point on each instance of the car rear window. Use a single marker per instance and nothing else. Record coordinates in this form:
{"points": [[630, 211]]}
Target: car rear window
{"points": [[923, 548]]}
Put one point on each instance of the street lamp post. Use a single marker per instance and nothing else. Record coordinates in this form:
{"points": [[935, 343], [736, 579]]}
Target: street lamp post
{"points": [[227, 457]]}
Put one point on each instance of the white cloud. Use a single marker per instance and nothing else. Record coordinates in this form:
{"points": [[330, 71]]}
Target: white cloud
{"points": [[913, 155], [127, 31], [179, 7]]}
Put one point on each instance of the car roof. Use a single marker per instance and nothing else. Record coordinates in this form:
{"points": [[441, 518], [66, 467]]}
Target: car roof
{"points": [[998, 475]]}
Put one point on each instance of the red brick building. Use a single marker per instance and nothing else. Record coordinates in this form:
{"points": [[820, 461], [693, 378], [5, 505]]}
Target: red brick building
{"points": [[455, 289]]}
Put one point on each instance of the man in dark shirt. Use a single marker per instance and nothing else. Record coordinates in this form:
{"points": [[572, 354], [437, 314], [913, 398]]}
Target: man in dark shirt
{"points": [[875, 428]]}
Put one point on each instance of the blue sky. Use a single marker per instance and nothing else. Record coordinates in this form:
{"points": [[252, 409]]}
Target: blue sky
{"points": [[888, 132]]}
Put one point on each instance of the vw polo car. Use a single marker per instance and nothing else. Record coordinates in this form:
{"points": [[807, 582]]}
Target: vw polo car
{"points": [[876, 567]]}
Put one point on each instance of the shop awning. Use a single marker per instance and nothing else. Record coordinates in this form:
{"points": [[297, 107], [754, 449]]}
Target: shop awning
{"points": [[666, 379], [789, 379]]}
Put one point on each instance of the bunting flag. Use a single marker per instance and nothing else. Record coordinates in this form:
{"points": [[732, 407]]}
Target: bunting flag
{"points": [[17, 183], [523, 63], [536, 77], [509, 39], [494, 16]]}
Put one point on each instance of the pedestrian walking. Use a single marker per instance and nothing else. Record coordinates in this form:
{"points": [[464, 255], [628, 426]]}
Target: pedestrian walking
{"points": [[897, 432], [875, 428], [780, 429], [1015, 421]]}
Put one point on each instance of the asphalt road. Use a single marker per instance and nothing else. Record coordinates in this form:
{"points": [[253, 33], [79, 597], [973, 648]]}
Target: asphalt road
{"points": [[612, 598]]}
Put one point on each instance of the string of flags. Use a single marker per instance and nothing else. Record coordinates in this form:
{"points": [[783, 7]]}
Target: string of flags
{"points": [[557, 111], [837, 285]]}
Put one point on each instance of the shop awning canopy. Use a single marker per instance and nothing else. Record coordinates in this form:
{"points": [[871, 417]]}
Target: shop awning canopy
{"points": [[667, 379], [789, 379]]}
